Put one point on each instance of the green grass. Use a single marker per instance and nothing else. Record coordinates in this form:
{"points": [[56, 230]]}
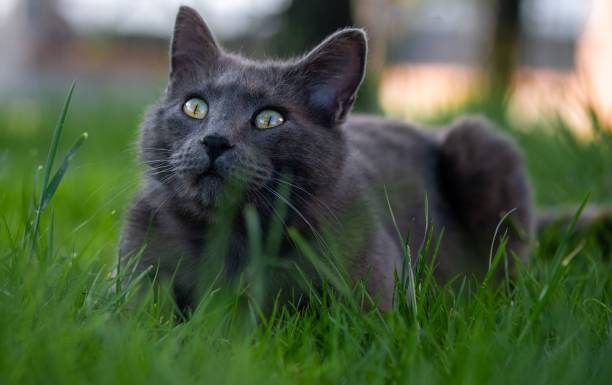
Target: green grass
{"points": [[61, 321]]}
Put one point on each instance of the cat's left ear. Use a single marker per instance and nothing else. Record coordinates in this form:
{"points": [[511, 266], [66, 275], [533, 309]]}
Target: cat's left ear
{"points": [[333, 72], [193, 45]]}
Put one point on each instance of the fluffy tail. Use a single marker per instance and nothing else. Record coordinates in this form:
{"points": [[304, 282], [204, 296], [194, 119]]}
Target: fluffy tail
{"points": [[593, 218]]}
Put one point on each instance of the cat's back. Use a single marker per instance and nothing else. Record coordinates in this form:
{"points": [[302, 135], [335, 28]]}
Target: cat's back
{"points": [[471, 173], [393, 162], [391, 149], [396, 134]]}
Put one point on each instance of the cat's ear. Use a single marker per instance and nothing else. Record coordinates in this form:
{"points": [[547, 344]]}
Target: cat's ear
{"points": [[193, 45], [332, 73]]}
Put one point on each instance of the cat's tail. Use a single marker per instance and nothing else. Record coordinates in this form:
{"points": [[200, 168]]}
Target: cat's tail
{"points": [[594, 218]]}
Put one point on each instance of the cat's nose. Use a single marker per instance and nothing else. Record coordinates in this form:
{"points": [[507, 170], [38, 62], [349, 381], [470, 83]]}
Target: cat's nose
{"points": [[215, 145]]}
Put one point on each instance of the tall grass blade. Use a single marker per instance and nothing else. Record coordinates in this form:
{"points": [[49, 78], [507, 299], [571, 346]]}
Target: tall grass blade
{"points": [[57, 133], [61, 171], [560, 268]]}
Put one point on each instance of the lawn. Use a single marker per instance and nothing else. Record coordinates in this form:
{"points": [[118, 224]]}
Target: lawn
{"points": [[63, 322]]}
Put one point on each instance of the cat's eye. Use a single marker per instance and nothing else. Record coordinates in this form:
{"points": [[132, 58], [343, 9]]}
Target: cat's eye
{"points": [[195, 108], [268, 119]]}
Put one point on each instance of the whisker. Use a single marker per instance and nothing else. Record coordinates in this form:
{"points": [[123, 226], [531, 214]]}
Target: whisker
{"points": [[313, 230], [314, 198], [161, 149], [329, 214], [168, 178], [161, 170], [154, 160]]}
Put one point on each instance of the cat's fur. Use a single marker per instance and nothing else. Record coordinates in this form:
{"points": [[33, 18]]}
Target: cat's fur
{"points": [[343, 168]]}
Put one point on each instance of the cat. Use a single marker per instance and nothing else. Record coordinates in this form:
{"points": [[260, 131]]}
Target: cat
{"points": [[362, 179]]}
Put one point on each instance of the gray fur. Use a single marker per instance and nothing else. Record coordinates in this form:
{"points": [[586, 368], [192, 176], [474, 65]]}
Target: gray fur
{"points": [[342, 165]]}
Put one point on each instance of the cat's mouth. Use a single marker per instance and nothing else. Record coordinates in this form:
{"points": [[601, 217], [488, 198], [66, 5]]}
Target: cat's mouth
{"points": [[209, 176], [211, 173], [205, 186]]}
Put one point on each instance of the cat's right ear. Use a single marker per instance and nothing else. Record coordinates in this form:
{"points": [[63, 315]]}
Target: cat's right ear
{"points": [[193, 45], [332, 73]]}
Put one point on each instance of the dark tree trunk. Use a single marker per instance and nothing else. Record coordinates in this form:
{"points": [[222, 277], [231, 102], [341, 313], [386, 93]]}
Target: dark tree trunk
{"points": [[307, 23], [505, 47]]}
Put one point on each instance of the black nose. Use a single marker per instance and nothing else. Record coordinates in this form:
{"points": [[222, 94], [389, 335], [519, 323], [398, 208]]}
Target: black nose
{"points": [[215, 145]]}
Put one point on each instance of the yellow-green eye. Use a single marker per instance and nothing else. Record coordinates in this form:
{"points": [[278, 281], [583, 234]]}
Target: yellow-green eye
{"points": [[269, 119], [195, 108]]}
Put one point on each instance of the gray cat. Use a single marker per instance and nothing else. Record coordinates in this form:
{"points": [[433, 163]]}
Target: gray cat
{"points": [[275, 124]]}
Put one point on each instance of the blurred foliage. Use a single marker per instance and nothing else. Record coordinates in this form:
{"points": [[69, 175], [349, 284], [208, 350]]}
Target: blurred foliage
{"points": [[99, 184]]}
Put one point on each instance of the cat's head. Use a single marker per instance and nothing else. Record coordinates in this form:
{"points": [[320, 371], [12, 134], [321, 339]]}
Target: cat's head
{"points": [[225, 117]]}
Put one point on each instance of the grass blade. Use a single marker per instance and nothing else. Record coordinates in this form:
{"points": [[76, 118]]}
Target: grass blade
{"points": [[561, 266], [57, 133], [59, 174]]}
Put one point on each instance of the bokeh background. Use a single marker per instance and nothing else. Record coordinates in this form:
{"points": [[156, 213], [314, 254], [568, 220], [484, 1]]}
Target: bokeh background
{"points": [[548, 56], [541, 69]]}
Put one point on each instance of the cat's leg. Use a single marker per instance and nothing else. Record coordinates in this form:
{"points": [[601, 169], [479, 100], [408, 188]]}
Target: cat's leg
{"points": [[380, 261], [148, 247], [133, 243], [483, 179]]}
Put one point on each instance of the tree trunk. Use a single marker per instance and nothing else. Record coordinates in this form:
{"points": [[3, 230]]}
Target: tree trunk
{"points": [[505, 48]]}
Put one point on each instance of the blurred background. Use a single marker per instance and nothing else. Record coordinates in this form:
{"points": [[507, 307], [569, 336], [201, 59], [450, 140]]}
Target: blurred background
{"points": [[541, 69], [542, 57]]}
